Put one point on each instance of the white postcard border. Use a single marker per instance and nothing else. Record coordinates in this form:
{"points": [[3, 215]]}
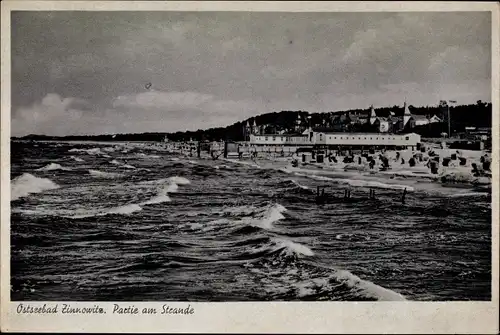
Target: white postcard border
{"points": [[249, 317]]}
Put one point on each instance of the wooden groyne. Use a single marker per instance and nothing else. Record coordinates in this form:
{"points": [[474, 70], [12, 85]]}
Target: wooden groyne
{"points": [[324, 198]]}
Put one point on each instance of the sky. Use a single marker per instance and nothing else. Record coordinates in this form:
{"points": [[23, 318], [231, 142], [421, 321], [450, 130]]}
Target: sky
{"points": [[88, 72]]}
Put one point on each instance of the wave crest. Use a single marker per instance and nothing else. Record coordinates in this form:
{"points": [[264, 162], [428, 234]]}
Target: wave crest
{"points": [[53, 167], [107, 175], [27, 184]]}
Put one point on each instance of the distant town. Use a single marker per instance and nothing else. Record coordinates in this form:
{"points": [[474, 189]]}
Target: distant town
{"points": [[447, 121]]}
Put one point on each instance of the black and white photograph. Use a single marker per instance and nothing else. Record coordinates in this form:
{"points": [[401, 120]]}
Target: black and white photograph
{"points": [[251, 156]]}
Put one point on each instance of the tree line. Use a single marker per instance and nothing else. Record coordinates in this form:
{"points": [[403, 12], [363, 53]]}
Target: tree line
{"points": [[473, 115]]}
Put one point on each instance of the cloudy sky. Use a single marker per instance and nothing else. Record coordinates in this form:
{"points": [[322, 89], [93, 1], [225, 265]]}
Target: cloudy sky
{"points": [[87, 72]]}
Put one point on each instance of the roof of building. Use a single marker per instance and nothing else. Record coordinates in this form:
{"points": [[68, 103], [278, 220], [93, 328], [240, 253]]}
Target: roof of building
{"points": [[374, 133], [435, 117], [323, 130], [283, 135], [419, 117]]}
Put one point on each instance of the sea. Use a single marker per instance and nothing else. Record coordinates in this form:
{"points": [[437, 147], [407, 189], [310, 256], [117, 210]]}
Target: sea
{"points": [[115, 222]]}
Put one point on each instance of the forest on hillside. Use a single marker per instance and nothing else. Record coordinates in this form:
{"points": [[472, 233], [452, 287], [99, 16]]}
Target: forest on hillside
{"points": [[473, 115]]}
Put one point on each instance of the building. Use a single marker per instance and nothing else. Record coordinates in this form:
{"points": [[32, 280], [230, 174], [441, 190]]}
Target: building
{"points": [[280, 139], [335, 139], [366, 139], [421, 120], [381, 124]]}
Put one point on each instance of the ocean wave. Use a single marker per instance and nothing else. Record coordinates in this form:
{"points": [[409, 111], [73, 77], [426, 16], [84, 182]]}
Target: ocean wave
{"points": [[272, 215], [296, 183], [169, 185], [251, 216], [122, 210], [362, 183], [292, 247], [223, 167], [109, 149], [123, 165], [179, 180], [368, 288], [469, 194], [161, 197], [53, 167], [27, 184], [128, 166], [107, 175], [76, 159], [143, 155], [93, 151]]}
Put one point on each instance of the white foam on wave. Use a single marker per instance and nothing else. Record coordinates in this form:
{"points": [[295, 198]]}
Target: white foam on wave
{"points": [[107, 175], [124, 210], [172, 186], [53, 167], [93, 151], [162, 195], [125, 166], [27, 184], [143, 155], [179, 180], [76, 159], [158, 199], [367, 287], [237, 210], [293, 247], [128, 166], [109, 149], [363, 183], [299, 185], [271, 215]]}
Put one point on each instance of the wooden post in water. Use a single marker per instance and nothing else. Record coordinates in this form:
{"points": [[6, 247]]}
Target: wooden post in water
{"points": [[403, 197], [225, 149], [198, 149]]}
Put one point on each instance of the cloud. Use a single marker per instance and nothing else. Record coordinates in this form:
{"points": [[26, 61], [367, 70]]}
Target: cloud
{"points": [[169, 100], [213, 68], [144, 112]]}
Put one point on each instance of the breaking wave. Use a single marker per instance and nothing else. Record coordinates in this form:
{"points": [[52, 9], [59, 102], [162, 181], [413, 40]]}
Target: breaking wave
{"points": [[123, 165], [107, 175], [53, 167], [273, 214], [292, 247], [27, 184], [76, 159], [169, 185], [93, 151], [179, 180], [125, 210], [362, 183]]}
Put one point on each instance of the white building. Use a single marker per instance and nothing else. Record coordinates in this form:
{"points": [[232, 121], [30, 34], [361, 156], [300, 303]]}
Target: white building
{"points": [[366, 139], [280, 139]]}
